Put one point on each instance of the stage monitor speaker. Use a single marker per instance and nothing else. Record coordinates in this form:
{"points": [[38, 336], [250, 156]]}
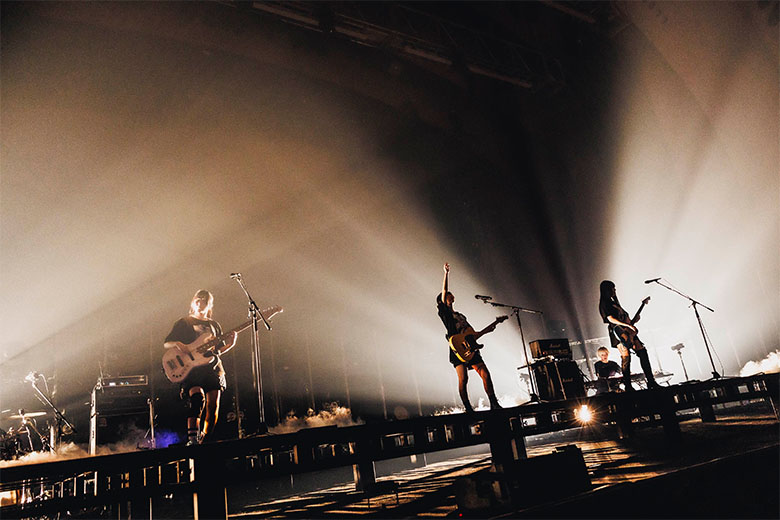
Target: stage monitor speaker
{"points": [[558, 380], [557, 348]]}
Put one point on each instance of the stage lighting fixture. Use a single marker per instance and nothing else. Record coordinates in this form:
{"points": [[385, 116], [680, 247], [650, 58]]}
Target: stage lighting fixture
{"points": [[583, 414]]}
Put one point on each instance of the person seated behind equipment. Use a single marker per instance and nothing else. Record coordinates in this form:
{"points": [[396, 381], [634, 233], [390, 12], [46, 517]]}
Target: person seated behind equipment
{"points": [[606, 372]]}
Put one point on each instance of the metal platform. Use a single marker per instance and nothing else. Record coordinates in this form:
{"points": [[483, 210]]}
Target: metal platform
{"points": [[137, 481]]}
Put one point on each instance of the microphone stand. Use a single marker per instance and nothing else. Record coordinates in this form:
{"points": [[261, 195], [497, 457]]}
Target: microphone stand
{"points": [[255, 314], [695, 306], [60, 418], [516, 312]]}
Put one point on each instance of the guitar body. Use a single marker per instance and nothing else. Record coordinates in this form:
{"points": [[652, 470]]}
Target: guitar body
{"points": [[179, 362], [627, 336], [465, 345], [178, 365]]}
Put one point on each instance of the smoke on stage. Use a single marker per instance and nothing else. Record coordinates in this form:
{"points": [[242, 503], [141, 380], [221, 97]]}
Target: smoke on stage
{"points": [[769, 365], [332, 415]]}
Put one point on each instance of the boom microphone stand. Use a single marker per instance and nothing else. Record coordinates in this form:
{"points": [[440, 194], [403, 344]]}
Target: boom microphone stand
{"points": [[516, 312], [61, 419], [695, 306], [255, 314]]}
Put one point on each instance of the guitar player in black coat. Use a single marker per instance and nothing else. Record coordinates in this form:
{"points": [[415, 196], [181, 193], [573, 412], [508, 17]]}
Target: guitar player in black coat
{"points": [[204, 384], [623, 334], [456, 323]]}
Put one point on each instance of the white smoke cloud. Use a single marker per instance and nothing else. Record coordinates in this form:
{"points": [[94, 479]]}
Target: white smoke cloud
{"points": [[506, 401], [769, 365], [332, 415], [133, 441]]}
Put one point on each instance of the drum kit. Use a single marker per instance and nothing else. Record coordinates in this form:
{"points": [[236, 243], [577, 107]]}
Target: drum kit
{"points": [[22, 439], [25, 437]]}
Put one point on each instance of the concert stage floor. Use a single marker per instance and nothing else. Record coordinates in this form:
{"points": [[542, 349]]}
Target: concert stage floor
{"points": [[646, 465], [705, 450]]}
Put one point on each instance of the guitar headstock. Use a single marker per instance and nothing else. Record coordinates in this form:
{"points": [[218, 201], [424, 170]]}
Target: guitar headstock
{"points": [[270, 312], [644, 302], [501, 318]]}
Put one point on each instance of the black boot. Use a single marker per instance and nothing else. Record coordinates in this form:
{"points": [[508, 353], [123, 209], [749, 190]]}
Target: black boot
{"points": [[644, 360], [494, 403], [625, 367]]}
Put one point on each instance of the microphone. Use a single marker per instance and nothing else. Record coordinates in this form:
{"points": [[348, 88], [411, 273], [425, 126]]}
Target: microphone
{"points": [[653, 280], [483, 298], [32, 376], [235, 276]]}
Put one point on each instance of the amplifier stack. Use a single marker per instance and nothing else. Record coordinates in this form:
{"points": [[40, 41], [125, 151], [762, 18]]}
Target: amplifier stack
{"points": [[121, 411], [557, 376]]}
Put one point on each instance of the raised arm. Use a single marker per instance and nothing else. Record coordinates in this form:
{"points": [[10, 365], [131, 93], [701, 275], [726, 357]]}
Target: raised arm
{"points": [[444, 283]]}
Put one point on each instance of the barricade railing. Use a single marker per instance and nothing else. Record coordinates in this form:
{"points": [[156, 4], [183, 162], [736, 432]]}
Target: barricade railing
{"points": [[207, 471]]}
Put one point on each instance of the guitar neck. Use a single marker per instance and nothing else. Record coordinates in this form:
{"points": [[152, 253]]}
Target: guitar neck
{"points": [[216, 341], [496, 322], [638, 312], [267, 314]]}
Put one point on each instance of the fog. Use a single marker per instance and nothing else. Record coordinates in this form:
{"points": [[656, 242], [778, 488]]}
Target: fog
{"points": [[150, 150]]}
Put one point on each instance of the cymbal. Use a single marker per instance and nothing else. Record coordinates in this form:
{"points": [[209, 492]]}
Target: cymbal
{"points": [[26, 415]]}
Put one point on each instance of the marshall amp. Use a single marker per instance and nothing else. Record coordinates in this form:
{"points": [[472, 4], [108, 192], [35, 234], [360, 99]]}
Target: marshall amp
{"points": [[557, 348], [558, 380]]}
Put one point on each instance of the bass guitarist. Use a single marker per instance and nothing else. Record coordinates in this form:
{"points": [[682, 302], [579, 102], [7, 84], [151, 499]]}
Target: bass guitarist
{"points": [[623, 334], [204, 385], [456, 323]]}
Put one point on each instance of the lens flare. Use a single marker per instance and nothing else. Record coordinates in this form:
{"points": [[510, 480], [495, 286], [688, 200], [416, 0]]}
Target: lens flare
{"points": [[583, 414]]}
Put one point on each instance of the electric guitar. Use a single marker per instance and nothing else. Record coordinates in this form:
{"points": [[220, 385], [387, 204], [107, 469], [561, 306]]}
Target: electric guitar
{"points": [[627, 335], [465, 344], [178, 362]]}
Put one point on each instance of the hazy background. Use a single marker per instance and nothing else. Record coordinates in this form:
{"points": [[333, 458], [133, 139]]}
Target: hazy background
{"points": [[149, 150]]}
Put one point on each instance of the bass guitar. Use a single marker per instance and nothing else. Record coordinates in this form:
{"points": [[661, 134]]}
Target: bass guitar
{"points": [[179, 361], [627, 335], [465, 345]]}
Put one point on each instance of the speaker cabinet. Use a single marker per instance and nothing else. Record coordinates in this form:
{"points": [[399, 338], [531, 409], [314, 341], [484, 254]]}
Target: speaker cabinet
{"points": [[558, 380], [120, 412]]}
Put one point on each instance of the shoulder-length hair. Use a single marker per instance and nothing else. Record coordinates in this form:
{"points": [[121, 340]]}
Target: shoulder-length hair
{"points": [[198, 294]]}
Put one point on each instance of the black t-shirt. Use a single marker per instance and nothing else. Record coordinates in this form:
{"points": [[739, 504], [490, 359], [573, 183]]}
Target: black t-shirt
{"points": [[608, 369], [454, 321], [188, 329], [612, 308]]}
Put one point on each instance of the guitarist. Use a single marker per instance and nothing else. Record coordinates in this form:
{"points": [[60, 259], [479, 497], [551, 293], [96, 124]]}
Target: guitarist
{"points": [[204, 385], [623, 334], [456, 323]]}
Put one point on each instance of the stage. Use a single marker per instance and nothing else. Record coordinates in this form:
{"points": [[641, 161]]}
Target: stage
{"points": [[534, 457]]}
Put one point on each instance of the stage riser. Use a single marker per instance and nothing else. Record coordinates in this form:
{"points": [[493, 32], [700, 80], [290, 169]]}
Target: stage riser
{"points": [[153, 473]]}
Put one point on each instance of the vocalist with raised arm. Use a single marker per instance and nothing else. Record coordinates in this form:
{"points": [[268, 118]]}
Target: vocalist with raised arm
{"points": [[204, 384], [456, 323]]}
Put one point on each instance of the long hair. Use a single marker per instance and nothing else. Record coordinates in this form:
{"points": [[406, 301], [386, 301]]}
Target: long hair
{"points": [[199, 293], [608, 297]]}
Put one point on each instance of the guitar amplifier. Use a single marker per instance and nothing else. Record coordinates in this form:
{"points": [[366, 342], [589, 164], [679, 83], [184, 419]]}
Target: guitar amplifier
{"points": [[122, 395], [120, 411], [557, 348], [558, 380]]}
